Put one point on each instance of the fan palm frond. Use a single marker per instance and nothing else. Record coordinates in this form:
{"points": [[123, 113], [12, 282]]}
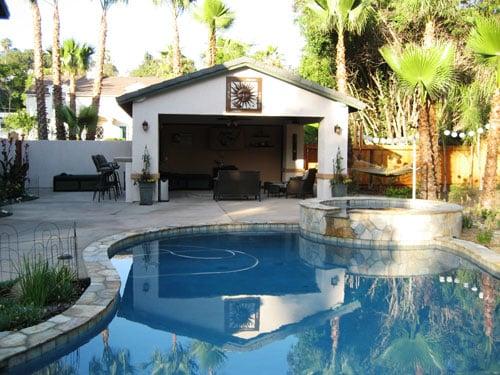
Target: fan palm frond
{"points": [[430, 70]]}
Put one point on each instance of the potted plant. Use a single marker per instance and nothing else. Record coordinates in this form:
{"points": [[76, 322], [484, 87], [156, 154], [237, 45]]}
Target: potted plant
{"points": [[146, 180], [339, 181]]}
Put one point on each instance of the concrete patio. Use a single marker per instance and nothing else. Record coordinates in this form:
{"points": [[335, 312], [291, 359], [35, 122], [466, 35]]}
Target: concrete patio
{"points": [[96, 220]]}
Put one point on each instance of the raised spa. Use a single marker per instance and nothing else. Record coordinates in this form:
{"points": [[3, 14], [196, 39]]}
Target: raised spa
{"points": [[380, 221]]}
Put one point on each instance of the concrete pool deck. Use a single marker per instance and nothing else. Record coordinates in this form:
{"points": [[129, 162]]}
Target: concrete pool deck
{"points": [[97, 220]]}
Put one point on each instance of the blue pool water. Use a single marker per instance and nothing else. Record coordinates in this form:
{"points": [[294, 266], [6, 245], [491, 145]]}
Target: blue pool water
{"points": [[276, 303]]}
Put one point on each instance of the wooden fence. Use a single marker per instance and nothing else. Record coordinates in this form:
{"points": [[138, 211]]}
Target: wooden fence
{"points": [[457, 163]]}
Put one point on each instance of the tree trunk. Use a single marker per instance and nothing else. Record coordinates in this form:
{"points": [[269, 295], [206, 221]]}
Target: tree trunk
{"points": [[341, 73], [72, 93], [212, 47], [428, 183], [334, 335], [489, 304], [96, 91], [429, 33], [436, 155], [56, 73], [41, 111], [72, 105], [490, 169], [176, 51]]}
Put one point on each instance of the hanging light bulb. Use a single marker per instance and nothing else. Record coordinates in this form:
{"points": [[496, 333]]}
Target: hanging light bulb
{"points": [[447, 132], [471, 133], [480, 131], [462, 135], [487, 126], [383, 141], [376, 140], [454, 134]]}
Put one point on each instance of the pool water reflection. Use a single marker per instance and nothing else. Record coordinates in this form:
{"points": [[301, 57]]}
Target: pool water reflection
{"points": [[275, 303]]}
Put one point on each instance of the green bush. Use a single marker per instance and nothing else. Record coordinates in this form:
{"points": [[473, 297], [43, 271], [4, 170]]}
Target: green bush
{"points": [[484, 237], [15, 316], [41, 285], [463, 194], [467, 221], [398, 192]]}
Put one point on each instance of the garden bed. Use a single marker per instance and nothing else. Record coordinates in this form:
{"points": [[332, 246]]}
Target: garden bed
{"points": [[38, 295]]}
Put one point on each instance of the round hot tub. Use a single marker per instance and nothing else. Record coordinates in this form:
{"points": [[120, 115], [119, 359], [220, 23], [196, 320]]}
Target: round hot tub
{"points": [[380, 220]]}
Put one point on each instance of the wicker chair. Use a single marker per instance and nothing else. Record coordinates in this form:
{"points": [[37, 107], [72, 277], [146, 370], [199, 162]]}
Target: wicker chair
{"points": [[302, 186]]}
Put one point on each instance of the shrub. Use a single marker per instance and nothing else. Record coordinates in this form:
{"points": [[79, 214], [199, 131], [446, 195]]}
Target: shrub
{"points": [[14, 167], [398, 192], [14, 316], [463, 194], [467, 221], [40, 285], [484, 236]]}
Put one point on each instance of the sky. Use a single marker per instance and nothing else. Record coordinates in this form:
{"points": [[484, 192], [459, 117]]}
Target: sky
{"points": [[141, 27]]}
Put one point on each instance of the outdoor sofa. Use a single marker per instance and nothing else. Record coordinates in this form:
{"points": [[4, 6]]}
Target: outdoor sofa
{"points": [[231, 184]]}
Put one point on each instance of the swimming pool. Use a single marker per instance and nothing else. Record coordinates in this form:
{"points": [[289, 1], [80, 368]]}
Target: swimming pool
{"points": [[276, 303]]}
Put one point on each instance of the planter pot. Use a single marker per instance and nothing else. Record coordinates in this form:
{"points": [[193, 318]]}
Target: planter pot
{"points": [[146, 190], [339, 190]]}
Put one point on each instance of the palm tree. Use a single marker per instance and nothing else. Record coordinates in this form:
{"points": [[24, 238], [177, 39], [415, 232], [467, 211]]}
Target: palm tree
{"points": [[428, 73], [427, 11], [101, 56], [41, 111], [407, 355], [215, 15], [177, 7], [210, 357], [57, 99], [85, 120], [484, 41], [342, 16], [178, 361], [75, 63]]}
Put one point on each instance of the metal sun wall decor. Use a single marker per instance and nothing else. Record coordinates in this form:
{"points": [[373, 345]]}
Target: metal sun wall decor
{"points": [[243, 94]]}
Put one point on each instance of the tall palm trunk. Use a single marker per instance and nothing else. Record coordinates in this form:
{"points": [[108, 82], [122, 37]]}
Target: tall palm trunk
{"points": [[489, 304], [176, 53], [334, 335], [72, 93], [97, 88], [436, 155], [212, 46], [41, 110], [341, 73], [429, 33], [490, 170], [428, 162], [56, 73]]}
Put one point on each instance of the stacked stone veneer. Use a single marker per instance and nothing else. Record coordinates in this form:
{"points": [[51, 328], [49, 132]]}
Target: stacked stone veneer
{"points": [[381, 220]]}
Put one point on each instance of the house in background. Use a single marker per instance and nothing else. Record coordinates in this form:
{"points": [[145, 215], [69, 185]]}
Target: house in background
{"points": [[114, 123]]}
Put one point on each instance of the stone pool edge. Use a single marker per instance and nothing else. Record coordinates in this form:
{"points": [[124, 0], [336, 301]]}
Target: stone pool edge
{"points": [[17, 347], [99, 298]]}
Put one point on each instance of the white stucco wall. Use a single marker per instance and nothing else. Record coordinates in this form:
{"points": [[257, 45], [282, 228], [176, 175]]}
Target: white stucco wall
{"points": [[50, 158], [208, 97]]}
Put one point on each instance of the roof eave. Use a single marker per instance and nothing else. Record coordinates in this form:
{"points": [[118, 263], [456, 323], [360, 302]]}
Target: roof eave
{"points": [[126, 100]]}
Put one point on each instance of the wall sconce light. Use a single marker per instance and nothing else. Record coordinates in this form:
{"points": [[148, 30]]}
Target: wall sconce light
{"points": [[337, 129], [145, 126]]}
